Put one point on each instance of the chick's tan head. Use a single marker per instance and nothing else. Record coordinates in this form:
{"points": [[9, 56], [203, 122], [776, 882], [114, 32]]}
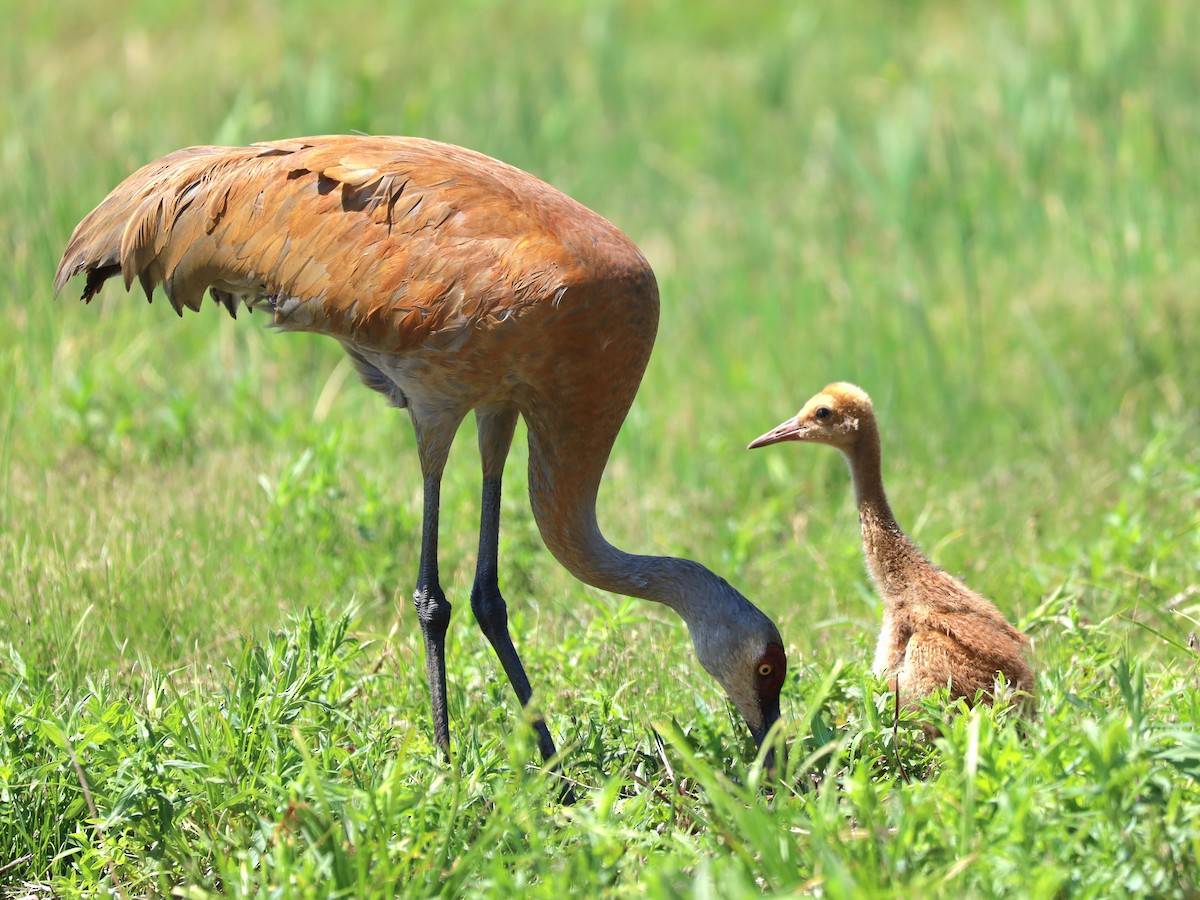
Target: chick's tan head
{"points": [[835, 416]]}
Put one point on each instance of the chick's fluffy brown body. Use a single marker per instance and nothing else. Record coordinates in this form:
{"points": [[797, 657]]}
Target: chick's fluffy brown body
{"points": [[936, 631]]}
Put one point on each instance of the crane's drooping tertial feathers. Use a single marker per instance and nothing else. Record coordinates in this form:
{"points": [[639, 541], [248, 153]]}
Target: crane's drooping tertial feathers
{"points": [[936, 632], [456, 283]]}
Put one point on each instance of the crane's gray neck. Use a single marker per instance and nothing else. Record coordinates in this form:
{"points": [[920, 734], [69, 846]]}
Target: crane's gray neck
{"points": [[564, 505], [697, 594]]}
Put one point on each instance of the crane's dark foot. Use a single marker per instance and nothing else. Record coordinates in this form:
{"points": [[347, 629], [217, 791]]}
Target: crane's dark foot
{"points": [[433, 612], [566, 793], [492, 614]]}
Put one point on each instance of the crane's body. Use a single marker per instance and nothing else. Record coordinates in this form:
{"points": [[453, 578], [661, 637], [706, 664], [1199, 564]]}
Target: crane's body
{"points": [[439, 266], [455, 283]]}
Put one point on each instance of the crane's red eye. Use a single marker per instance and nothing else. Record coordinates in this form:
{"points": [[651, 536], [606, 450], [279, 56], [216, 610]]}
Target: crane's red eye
{"points": [[770, 669]]}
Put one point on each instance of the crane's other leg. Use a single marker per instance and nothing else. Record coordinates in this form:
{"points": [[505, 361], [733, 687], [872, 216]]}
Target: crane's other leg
{"points": [[433, 609], [495, 438]]}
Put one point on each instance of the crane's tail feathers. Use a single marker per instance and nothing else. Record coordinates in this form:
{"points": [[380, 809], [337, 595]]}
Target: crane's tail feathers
{"points": [[391, 243], [148, 229]]}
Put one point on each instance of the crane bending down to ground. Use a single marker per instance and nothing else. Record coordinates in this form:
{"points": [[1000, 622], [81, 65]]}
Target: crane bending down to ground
{"points": [[937, 632], [455, 283]]}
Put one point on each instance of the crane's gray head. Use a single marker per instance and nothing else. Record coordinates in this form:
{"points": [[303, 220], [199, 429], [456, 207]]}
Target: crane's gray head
{"points": [[837, 416], [741, 648]]}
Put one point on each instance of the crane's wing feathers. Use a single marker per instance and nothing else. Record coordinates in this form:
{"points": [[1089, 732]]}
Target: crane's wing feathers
{"points": [[350, 236]]}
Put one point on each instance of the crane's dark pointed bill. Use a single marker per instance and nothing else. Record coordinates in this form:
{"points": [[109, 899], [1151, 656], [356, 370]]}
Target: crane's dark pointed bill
{"points": [[770, 713]]}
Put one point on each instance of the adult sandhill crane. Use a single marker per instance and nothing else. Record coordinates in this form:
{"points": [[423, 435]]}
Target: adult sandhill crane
{"points": [[936, 631], [455, 283]]}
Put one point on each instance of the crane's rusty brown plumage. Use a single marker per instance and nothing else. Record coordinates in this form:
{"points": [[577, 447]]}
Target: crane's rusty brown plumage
{"points": [[455, 283], [387, 243]]}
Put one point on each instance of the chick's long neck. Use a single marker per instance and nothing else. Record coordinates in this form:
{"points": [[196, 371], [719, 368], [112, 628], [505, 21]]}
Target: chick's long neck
{"points": [[893, 559]]}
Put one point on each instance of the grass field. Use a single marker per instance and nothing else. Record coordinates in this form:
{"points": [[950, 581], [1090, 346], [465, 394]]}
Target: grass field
{"points": [[211, 675]]}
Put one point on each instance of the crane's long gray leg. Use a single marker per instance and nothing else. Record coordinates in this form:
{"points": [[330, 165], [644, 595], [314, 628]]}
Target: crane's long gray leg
{"points": [[495, 438], [433, 609]]}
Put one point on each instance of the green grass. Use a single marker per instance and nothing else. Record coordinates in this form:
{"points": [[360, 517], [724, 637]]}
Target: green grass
{"points": [[211, 677]]}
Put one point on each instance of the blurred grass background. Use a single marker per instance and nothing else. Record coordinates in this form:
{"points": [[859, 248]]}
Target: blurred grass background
{"points": [[984, 213], [980, 212]]}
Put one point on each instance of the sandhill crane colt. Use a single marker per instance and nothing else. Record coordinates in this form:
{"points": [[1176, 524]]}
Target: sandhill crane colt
{"points": [[937, 632], [455, 283]]}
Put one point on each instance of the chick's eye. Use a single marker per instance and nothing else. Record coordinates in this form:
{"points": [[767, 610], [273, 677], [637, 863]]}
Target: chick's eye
{"points": [[766, 670], [822, 412]]}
